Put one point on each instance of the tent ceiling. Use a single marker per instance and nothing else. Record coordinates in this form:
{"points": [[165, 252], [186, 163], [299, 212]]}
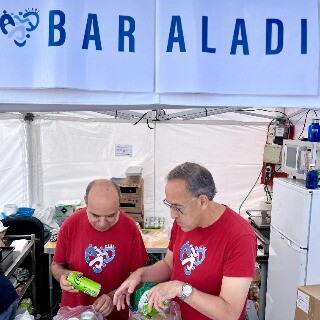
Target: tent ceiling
{"points": [[223, 115], [62, 99]]}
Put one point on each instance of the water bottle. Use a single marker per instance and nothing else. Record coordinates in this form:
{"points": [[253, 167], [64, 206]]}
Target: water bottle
{"points": [[314, 131], [312, 178]]}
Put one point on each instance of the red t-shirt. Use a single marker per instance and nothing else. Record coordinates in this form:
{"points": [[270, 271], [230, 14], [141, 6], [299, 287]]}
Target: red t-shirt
{"points": [[203, 256], [105, 257]]}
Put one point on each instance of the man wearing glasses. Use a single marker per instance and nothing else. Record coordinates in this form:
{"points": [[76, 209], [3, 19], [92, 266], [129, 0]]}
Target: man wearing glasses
{"points": [[211, 256], [102, 243]]}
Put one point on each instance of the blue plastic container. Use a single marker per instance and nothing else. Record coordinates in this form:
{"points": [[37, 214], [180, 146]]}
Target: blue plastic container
{"points": [[22, 212], [25, 212], [314, 131], [312, 179]]}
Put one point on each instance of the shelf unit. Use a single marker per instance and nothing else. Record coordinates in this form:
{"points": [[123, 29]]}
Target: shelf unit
{"points": [[29, 249]]}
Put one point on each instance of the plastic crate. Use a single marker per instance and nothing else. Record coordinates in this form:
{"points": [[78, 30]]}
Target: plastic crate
{"points": [[22, 212]]}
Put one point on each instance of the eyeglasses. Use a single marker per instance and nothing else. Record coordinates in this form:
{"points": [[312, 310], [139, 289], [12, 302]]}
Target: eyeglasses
{"points": [[178, 208]]}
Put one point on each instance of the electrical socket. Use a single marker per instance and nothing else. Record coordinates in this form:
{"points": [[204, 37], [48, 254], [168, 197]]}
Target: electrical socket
{"points": [[268, 172]]}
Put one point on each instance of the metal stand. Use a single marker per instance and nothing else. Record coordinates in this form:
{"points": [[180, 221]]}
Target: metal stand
{"points": [[30, 248]]}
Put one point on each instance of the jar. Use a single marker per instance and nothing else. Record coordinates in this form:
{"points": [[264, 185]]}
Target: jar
{"points": [[314, 131], [312, 178]]}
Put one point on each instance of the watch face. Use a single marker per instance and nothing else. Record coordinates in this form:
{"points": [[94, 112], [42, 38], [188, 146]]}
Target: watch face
{"points": [[187, 290]]}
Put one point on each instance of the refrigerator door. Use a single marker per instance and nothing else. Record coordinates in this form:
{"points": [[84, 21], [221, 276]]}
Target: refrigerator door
{"points": [[313, 274], [286, 271], [291, 210]]}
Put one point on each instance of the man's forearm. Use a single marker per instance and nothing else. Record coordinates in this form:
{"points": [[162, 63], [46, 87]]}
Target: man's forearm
{"points": [[158, 272], [58, 270]]}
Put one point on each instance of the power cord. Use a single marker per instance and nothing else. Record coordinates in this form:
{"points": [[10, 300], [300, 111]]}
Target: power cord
{"points": [[249, 191]]}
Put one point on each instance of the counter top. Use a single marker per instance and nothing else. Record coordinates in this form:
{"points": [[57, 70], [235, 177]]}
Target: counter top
{"points": [[155, 241]]}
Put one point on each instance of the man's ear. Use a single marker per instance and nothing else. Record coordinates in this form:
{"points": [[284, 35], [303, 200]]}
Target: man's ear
{"points": [[203, 200], [85, 200]]}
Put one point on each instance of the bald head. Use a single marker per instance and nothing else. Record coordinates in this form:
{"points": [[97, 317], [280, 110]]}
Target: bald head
{"points": [[103, 186], [102, 200]]}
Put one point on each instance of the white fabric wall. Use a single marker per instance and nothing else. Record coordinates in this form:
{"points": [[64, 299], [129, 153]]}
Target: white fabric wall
{"points": [[72, 153], [66, 155], [233, 154], [14, 182]]}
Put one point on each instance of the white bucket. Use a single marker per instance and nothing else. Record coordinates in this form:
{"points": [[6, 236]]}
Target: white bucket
{"points": [[9, 209]]}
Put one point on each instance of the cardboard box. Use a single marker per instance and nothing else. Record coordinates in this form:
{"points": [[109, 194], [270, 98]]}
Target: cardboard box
{"points": [[129, 206], [308, 303], [130, 186], [64, 208]]}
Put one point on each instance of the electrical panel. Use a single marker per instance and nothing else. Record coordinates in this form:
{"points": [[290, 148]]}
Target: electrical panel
{"points": [[272, 153], [278, 131]]}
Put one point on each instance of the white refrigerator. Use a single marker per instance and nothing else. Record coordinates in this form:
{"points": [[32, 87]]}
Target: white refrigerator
{"points": [[294, 252]]}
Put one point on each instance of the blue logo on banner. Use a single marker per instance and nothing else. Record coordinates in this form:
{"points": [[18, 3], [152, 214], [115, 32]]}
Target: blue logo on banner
{"points": [[19, 26]]}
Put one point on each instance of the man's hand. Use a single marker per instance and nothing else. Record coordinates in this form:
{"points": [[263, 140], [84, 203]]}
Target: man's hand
{"points": [[104, 305], [163, 292], [65, 284], [122, 294]]}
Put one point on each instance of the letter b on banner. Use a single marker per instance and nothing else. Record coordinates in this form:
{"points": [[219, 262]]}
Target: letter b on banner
{"points": [[60, 31]]}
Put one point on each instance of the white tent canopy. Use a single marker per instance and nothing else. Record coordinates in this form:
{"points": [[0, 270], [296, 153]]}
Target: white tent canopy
{"points": [[52, 156]]}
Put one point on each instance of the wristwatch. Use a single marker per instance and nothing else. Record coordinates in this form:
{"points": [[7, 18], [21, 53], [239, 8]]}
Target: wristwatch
{"points": [[187, 290]]}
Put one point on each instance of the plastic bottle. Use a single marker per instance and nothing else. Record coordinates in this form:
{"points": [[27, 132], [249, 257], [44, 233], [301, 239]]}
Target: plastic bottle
{"points": [[312, 178], [314, 131]]}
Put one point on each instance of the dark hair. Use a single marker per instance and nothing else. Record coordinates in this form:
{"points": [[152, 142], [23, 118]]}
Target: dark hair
{"points": [[198, 179], [92, 183]]}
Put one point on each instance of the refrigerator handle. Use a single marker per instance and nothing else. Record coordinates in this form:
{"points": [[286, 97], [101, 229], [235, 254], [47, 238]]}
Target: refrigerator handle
{"points": [[297, 158], [293, 245], [290, 242]]}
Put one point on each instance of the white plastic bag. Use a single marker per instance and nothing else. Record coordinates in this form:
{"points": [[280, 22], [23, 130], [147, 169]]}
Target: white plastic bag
{"points": [[24, 316], [46, 216], [171, 313], [65, 313]]}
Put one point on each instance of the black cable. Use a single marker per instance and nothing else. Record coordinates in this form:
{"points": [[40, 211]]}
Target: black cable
{"points": [[279, 169], [149, 125], [250, 191], [140, 118], [304, 124], [265, 111], [267, 191]]}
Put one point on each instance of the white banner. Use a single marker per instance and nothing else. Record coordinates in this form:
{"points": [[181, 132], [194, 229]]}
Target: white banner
{"points": [[237, 47], [202, 46], [87, 44]]}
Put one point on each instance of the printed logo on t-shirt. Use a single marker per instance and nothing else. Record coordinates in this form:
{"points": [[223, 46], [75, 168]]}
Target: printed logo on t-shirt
{"points": [[191, 257], [98, 258]]}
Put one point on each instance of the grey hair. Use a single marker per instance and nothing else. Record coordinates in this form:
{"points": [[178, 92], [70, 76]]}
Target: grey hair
{"points": [[198, 179], [93, 182]]}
